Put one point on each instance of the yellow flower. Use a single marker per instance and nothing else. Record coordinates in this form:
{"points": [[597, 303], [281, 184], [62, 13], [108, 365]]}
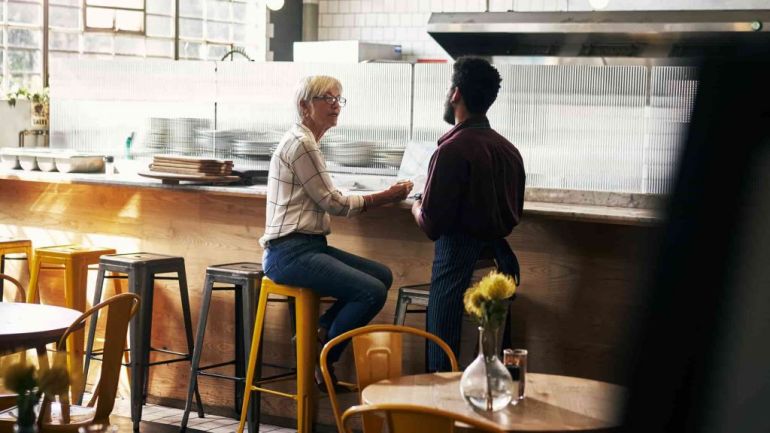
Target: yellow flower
{"points": [[19, 377], [55, 380], [496, 286], [473, 300]]}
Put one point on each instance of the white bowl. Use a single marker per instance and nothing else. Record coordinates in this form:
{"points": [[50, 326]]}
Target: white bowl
{"points": [[28, 162], [45, 163], [9, 162]]}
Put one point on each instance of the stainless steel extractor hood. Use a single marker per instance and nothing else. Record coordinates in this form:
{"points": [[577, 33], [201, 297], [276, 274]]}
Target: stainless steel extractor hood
{"points": [[651, 34]]}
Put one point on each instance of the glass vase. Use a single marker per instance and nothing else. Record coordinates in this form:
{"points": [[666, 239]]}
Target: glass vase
{"points": [[26, 420], [486, 384]]}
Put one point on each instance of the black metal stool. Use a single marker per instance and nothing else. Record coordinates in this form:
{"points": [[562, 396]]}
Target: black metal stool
{"points": [[246, 279], [141, 270], [417, 294]]}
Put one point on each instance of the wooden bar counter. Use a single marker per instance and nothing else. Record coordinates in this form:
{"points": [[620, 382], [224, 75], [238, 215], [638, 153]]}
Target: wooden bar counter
{"points": [[582, 269]]}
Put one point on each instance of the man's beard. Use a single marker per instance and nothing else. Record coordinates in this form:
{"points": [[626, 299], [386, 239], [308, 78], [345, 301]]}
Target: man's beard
{"points": [[449, 111]]}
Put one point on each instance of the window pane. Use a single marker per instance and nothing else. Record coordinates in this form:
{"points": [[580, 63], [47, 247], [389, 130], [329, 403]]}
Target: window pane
{"points": [[129, 21], [218, 10], [65, 17], [97, 43], [244, 34], [66, 2], [190, 28], [161, 7], [27, 79], [217, 51], [55, 55], [218, 31], [134, 4], [129, 45], [25, 13], [160, 26], [191, 8], [160, 48], [24, 61], [25, 38], [63, 41], [100, 18], [239, 12], [190, 50]]}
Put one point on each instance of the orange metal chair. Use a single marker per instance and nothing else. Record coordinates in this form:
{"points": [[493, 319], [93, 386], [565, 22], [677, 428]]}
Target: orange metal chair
{"points": [[21, 294], [404, 418], [378, 354], [120, 309]]}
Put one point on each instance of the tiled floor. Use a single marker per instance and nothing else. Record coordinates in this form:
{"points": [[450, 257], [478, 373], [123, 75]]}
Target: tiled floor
{"points": [[172, 416]]}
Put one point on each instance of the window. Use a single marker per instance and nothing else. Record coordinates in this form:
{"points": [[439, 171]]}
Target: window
{"points": [[208, 29], [123, 16], [21, 43]]}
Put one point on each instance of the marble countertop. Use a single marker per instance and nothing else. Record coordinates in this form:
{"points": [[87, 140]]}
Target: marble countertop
{"points": [[601, 207]]}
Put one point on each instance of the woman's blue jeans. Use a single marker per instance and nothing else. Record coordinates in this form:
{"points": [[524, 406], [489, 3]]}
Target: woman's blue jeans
{"points": [[359, 285]]}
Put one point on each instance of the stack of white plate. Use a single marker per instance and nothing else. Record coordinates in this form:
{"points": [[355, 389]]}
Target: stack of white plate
{"points": [[351, 153], [158, 134], [174, 134], [253, 149], [214, 140], [389, 157]]}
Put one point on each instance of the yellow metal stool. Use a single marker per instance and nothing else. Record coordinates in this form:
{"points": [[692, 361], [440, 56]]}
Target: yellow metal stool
{"points": [[307, 303], [75, 260], [13, 246]]}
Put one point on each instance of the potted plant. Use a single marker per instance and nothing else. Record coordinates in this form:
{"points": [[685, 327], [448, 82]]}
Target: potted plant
{"points": [[38, 103]]}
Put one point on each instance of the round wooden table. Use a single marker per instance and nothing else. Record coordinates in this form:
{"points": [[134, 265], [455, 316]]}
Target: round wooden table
{"points": [[552, 403], [26, 326]]}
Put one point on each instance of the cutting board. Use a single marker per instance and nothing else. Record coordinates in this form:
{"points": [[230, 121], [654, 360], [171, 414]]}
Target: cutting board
{"points": [[175, 178]]}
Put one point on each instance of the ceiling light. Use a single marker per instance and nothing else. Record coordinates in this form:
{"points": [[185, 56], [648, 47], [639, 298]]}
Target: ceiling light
{"points": [[274, 5]]}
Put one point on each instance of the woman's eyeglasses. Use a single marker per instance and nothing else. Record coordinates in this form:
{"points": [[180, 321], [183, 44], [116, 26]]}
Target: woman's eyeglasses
{"points": [[332, 99]]}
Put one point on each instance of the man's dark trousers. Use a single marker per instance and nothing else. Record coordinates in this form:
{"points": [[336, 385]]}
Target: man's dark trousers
{"points": [[455, 258]]}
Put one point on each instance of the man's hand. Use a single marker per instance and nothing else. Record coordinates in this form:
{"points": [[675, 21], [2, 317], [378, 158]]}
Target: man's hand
{"points": [[417, 210]]}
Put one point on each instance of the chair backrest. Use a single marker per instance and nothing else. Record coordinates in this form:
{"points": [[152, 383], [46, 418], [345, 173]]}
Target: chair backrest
{"points": [[119, 309], [404, 418], [21, 295], [378, 354]]}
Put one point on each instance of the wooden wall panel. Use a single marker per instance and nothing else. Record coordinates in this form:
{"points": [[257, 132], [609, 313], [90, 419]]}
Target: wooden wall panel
{"points": [[577, 301]]}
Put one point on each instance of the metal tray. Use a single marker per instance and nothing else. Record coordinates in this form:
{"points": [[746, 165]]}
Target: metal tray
{"points": [[76, 163]]}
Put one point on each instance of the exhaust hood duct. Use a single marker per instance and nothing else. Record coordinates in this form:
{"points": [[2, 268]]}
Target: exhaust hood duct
{"points": [[647, 34]]}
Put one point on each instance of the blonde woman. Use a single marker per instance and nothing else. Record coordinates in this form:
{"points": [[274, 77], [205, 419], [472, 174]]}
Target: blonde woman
{"points": [[300, 198]]}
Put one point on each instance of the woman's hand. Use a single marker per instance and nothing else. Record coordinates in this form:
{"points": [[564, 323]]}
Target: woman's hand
{"points": [[400, 190], [395, 193]]}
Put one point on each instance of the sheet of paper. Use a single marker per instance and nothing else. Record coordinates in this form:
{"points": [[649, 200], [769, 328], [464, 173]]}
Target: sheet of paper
{"points": [[414, 164]]}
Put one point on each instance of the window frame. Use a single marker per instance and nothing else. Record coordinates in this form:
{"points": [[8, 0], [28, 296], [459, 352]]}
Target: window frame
{"points": [[143, 10]]}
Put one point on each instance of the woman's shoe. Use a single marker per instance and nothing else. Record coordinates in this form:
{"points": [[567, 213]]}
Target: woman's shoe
{"points": [[319, 381]]}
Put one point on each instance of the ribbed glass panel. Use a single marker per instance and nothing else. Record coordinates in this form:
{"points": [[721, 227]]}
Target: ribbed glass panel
{"points": [[598, 128], [256, 107], [672, 97], [97, 104], [577, 127]]}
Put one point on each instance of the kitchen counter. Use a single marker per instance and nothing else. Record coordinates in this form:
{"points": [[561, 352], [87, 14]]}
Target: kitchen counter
{"points": [[610, 208], [582, 266]]}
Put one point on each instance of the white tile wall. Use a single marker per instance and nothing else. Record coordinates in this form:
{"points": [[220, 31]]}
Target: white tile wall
{"points": [[403, 21]]}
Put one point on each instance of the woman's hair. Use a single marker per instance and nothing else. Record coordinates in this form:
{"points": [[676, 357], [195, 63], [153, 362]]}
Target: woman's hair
{"points": [[312, 86]]}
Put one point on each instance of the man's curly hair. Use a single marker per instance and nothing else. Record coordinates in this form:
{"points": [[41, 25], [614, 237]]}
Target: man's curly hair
{"points": [[478, 82]]}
